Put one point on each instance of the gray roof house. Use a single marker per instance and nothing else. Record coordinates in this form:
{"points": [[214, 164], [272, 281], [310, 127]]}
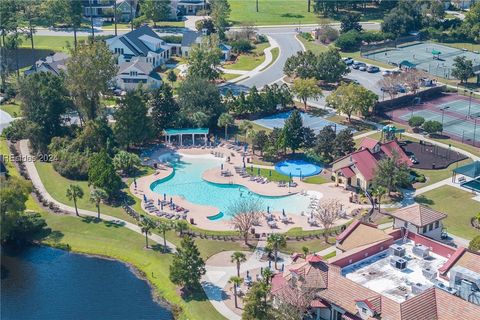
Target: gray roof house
{"points": [[190, 38], [142, 42], [55, 63], [137, 72]]}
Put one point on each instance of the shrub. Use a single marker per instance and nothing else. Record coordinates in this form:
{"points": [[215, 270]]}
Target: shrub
{"points": [[327, 34], [432, 127], [349, 41], [306, 36], [474, 244], [241, 46], [172, 39], [416, 121], [71, 165]]}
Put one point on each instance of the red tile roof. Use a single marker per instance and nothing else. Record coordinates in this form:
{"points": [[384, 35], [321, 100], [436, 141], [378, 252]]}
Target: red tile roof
{"points": [[418, 215], [392, 147], [319, 304], [348, 230], [453, 259], [347, 172], [368, 143], [365, 162], [423, 306]]}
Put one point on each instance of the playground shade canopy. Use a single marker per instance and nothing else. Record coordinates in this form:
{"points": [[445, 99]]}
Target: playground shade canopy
{"points": [[436, 52], [471, 170]]}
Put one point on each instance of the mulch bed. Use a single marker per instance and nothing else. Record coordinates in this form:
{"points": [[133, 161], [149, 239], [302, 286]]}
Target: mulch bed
{"points": [[431, 156]]}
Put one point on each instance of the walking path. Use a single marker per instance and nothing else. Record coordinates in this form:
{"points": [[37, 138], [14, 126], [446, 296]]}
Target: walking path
{"points": [[37, 182]]}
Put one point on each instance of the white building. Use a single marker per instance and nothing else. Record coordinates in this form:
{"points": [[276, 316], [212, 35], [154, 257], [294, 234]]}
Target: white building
{"points": [[135, 73], [142, 42], [55, 63], [105, 9]]}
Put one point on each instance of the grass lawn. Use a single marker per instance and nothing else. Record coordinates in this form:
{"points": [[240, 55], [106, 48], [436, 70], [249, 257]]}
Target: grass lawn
{"points": [[106, 239], [459, 206], [230, 76], [312, 245], [12, 109], [271, 174], [316, 180], [55, 43], [271, 12], [439, 175], [249, 61]]}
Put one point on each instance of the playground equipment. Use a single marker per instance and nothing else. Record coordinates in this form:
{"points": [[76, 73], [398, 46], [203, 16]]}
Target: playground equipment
{"points": [[389, 132]]}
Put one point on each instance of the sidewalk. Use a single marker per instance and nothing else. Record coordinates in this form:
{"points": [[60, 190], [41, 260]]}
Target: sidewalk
{"points": [[37, 182]]}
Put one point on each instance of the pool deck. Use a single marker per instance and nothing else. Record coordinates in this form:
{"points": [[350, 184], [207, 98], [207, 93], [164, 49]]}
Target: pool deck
{"points": [[200, 213]]}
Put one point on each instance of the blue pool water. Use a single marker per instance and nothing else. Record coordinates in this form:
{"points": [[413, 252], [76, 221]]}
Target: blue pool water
{"points": [[187, 182], [297, 168]]}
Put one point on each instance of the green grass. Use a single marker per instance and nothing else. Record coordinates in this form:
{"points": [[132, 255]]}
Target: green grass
{"points": [[251, 60], [459, 206], [275, 53], [316, 180], [230, 76], [272, 12], [313, 246], [275, 176], [106, 239], [434, 176], [108, 101], [12, 109], [55, 43], [330, 255]]}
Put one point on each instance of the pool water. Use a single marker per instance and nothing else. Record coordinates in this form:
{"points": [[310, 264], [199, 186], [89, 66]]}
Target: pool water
{"points": [[297, 168], [187, 182]]}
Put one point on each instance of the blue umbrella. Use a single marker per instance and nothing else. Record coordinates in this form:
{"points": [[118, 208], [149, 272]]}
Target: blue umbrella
{"points": [[244, 164], [283, 211], [161, 205], [268, 209], [158, 201], [164, 197], [283, 266], [144, 198]]}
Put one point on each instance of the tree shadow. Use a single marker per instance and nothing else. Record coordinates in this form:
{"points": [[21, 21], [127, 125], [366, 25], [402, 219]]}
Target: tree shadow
{"points": [[291, 15], [108, 224], [199, 295], [424, 200], [160, 248]]}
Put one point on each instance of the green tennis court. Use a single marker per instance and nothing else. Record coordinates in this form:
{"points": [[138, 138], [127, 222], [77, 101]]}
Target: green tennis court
{"points": [[464, 107]]}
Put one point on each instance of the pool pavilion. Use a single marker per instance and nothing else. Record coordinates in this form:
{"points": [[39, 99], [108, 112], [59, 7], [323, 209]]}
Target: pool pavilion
{"points": [[471, 171], [188, 134]]}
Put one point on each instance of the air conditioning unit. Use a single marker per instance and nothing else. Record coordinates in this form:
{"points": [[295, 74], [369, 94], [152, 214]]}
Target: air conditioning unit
{"points": [[397, 250], [430, 274], [443, 287], [418, 288], [398, 262], [421, 251]]}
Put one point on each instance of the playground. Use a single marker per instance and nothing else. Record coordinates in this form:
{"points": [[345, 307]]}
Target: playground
{"points": [[433, 58], [431, 156], [459, 115]]}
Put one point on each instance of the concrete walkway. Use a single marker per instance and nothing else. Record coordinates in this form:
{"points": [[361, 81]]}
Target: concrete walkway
{"points": [[37, 182]]}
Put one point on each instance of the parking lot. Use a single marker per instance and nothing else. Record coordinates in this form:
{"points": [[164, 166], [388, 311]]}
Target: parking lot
{"points": [[368, 80]]}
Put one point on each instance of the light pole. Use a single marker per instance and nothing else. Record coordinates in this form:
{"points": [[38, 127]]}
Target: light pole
{"points": [[443, 114], [475, 130], [470, 103]]}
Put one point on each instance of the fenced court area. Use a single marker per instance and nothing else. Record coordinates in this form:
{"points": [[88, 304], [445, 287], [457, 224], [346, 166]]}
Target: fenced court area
{"points": [[433, 58], [459, 115], [313, 122]]}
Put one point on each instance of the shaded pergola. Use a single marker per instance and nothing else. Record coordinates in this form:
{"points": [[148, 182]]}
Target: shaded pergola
{"points": [[471, 170], [407, 64], [180, 133], [436, 54]]}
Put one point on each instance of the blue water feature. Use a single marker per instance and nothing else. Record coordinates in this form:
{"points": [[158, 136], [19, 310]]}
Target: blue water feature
{"points": [[218, 216], [187, 182], [41, 283], [297, 168]]}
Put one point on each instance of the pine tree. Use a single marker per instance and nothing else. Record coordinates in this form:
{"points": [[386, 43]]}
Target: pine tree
{"points": [[187, 266], [293, 131]]}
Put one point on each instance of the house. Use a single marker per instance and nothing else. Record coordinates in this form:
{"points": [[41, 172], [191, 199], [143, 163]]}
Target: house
{"points": [[55, 64], [190, 38], [433, 281], [142, 42], [105, 8], [131, 74], [188, 7], [419, 219], [358, 168]]}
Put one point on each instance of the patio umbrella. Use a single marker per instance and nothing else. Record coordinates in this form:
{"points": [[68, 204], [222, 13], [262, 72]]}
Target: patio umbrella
{"points": [[269, 263], [283, 266], [144, 198], [171, 201], [251, 167], [158, 201], [268, 209], [161, 205], [283, 212], [164, 197], [244, 166]]}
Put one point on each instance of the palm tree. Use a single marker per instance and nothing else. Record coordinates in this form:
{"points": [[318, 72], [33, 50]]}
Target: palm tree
{"points": [[379, 192], [163, 227], [267, 274], [225, 120], [305, 251], [146, 224], [247, 127], [181, 226], [237, 281], [276, 241], [96, 197], [74, 192], [238, 257]]}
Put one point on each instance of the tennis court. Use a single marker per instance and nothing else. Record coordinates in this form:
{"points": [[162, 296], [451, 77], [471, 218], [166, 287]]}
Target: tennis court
{"points": [[434, 58], [463, 107], [313, 122]]}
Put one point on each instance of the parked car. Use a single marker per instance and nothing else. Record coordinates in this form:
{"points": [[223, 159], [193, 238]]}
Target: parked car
{"points": [[363, 68], [400, 88], [373, 69], [348, 61], [386, 73], [358, 64]]}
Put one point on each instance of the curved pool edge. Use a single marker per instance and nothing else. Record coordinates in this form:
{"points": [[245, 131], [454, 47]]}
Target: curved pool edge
{"points": [[305, 174]]}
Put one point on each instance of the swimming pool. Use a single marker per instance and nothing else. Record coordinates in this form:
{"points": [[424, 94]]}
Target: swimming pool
{"points": [[297, 168], [186, 181]]}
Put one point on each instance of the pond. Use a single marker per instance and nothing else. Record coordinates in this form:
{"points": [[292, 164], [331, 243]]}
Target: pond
{"points": [[45, 283]]}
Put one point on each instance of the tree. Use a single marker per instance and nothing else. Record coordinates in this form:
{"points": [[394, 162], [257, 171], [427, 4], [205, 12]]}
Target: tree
{"points": [[391, 173], [379, 192], [416, 121], [74, 192], [238, 257], [187, 266], [432, 127], [156, 10], [96, 197], [225, 120], [171, 76], [276, 241], [462, 68], [246, 127], [323, 144], [163, 227], [343, 143], [350, 21], [133, 125], [256, 306], [260, 141], [237, 281], [350, 98], [293, 301], [474, 244], [402, 19], [302, 65], [199, 95], [44, 101], [90, 70], [205, 24], [245, 213], [204, 59], [164, 108], [146, 224], [181, 226], [330, 66], [327, 212], [220, 12], [349, 41], [306, 89], [13, 195], [308, 138], [293, 131], [125, 161], [102, 174]]}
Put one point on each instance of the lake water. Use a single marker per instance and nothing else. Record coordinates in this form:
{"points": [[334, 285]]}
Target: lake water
{"points": [[44, 283]]}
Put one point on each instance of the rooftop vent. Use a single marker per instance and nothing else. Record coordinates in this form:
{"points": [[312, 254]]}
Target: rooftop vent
{"points": [[397, 250], [418, 288], [398, 262], [443, 287], [421, 251], [430, 274]]}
